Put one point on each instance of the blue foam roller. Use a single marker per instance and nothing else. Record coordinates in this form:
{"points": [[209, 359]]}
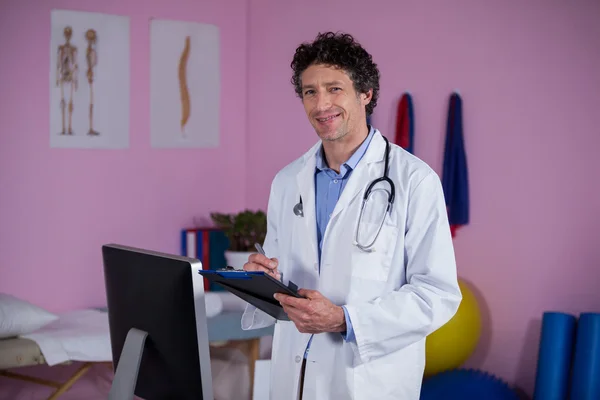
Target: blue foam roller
{"points": [[585, 383], [554, 356]]}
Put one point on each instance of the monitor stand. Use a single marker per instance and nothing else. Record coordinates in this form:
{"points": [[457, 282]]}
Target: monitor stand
{"points": [[126, 375]]}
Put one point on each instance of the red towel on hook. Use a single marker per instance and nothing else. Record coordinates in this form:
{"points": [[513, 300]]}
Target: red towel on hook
{"points": [[405, 124]]}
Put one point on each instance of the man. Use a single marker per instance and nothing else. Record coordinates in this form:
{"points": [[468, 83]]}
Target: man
{"points": [[373, 290]]}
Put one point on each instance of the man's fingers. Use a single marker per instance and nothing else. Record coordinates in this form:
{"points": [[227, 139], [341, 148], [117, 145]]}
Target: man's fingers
{"points": [[292, 301], [259, 268], [287, 300], [250, 266], [256, 258], [301, 318], [295, 314], [258, 262], [280, 297], [310, 294]]}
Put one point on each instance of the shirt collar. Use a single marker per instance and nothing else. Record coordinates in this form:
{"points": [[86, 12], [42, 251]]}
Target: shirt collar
{"points": [[352, 162]]}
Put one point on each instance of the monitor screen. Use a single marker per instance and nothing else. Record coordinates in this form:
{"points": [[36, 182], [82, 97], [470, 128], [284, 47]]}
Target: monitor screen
{"points": [[157, 319]]}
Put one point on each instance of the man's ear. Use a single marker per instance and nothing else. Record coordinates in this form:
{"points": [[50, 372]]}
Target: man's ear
{"points": [[366, 97]]}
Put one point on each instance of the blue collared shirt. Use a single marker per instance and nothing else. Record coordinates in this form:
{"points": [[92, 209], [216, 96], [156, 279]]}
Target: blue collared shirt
{"points": [[328, 189]]}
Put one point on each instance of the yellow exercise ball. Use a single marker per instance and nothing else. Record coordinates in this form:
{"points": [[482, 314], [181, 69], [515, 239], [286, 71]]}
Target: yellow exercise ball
{"points": [[453, 343]]}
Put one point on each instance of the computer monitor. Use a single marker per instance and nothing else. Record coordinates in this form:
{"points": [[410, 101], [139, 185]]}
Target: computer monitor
{"points": [[157, 321]]}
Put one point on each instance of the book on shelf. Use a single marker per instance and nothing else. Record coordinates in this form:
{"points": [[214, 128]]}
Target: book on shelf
{"points": [[207, 244]]}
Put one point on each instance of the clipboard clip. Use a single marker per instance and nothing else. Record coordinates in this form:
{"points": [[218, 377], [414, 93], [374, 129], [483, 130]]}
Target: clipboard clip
{"points": [[291, 285], [229, 268]]}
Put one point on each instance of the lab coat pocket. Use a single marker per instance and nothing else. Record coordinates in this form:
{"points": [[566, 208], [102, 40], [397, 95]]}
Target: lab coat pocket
{"points": [[374, 262]]}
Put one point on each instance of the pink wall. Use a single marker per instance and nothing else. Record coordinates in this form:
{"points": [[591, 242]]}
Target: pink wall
{"points": [[59, 206], [528, 74]]}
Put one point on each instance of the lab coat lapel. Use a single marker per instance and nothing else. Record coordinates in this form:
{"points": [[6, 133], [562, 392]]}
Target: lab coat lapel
{"points": [[368, 169], [306, 186]]}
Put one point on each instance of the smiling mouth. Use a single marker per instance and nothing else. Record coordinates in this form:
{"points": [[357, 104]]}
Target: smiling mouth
{"points": [[329, 118]]}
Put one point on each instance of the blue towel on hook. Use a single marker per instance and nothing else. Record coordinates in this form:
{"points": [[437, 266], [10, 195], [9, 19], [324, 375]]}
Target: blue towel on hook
{"points": [[455, 179]]}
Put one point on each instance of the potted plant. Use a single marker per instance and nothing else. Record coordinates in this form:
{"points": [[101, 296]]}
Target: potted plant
{"points": [[243, 229]]}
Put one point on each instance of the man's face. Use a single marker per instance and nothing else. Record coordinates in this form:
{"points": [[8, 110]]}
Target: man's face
{"points": [[332, 105]]}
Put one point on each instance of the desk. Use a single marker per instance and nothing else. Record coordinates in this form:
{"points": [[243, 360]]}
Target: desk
{"points": [[226, 327]]}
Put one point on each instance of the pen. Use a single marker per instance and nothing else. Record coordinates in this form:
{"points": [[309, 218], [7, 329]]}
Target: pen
{"points": [[262, 251]]}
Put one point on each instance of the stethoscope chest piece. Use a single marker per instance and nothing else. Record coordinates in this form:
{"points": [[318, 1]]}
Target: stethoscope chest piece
{"points": [[298, 210]]}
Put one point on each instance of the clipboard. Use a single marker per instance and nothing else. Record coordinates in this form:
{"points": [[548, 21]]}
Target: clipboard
{"points": [[256, 288]]}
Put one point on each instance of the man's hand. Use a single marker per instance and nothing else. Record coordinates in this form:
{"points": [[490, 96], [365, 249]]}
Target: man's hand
{"points": [[315, 314], [258, 262]]}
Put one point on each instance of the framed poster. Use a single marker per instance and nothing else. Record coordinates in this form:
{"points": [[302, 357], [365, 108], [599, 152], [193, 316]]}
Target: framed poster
{"points": [[184, 84], [89, 80]]}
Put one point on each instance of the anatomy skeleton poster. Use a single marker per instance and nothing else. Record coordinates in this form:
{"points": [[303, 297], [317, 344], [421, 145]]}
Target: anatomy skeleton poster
{"points": [[184, 84], [89, 80]]}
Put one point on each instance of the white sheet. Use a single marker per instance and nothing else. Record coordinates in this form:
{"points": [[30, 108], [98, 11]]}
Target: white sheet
{"points": [[81, 335], [229, 301], [219, 301], [214, 304]]}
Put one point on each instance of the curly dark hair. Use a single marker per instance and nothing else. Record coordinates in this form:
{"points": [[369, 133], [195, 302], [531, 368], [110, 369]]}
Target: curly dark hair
{"points": [[342, 51]]}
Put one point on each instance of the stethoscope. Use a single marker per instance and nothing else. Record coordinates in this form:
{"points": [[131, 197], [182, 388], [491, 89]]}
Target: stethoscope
{"points": [[391, 194]]}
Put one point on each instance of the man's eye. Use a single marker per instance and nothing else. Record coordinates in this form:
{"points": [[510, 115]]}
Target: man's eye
{"points": [[308, 92], [335, 89]]}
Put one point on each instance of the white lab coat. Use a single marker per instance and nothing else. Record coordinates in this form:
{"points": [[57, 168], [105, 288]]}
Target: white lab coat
{"points": [[395, 296]]}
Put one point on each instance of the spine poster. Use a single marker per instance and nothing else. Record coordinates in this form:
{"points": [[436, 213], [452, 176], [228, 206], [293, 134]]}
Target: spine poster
{"points": [[184, 84]]}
